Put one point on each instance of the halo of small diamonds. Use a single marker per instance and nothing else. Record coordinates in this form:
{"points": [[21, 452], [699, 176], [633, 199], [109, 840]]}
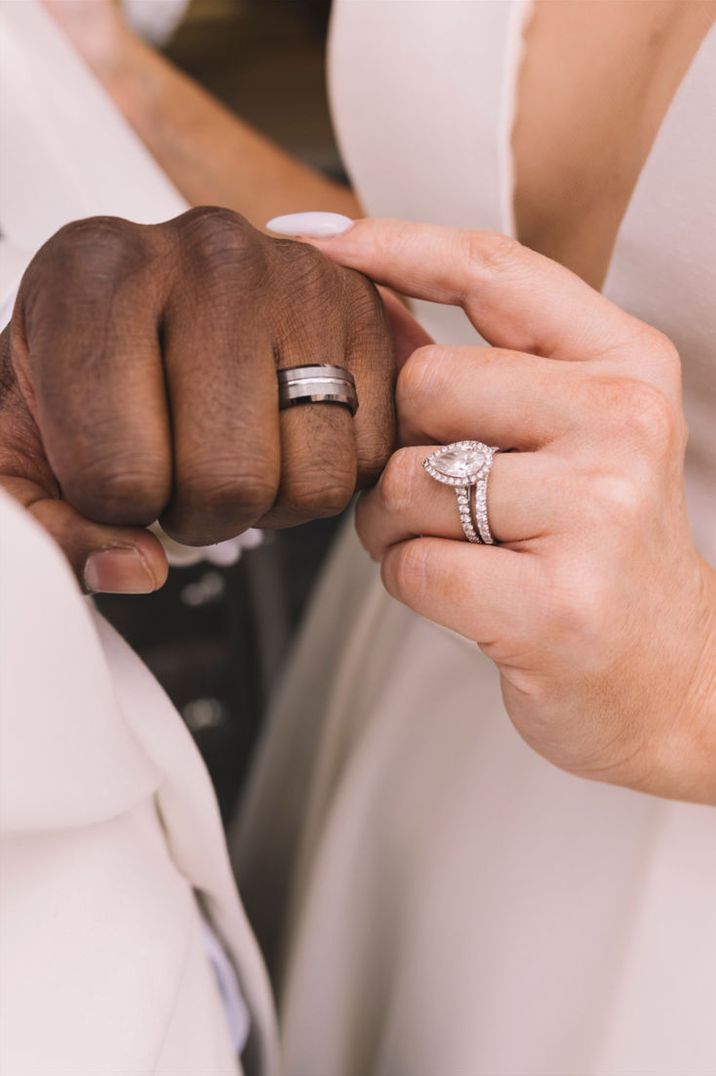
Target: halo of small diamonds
{"points": [[464, 465]]}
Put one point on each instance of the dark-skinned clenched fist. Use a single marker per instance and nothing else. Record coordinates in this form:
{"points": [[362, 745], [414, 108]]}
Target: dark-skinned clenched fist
{"points": [[138, 382]]}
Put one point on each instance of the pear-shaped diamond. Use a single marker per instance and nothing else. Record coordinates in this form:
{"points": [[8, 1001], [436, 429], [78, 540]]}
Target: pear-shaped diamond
{"points": [[458, 463]]}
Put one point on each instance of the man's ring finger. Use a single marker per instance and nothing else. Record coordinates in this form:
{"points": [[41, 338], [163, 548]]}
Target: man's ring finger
{"points": [[317, 383]]}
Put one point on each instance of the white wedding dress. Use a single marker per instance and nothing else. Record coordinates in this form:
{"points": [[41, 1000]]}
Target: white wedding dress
{"points": [[433, 897]]}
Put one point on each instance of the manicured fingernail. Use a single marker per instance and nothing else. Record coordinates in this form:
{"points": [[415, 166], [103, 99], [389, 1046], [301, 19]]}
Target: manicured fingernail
{"points": [[118, 570], [312, 225]]}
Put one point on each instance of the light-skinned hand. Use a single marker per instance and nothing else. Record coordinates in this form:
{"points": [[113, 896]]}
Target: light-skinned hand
{"points": [[596, 608]]}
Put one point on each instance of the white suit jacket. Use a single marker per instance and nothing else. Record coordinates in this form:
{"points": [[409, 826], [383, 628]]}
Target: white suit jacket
{"points": [[110, 834], [110, 837]]}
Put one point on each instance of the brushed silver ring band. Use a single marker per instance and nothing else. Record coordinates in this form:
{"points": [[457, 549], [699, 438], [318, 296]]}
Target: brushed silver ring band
{"points": [[317, 383]]}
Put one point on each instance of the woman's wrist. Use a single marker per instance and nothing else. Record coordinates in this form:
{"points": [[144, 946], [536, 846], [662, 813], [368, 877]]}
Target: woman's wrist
{"points": [[668, 705], [97, 31], [127, 71], [111, 49]]}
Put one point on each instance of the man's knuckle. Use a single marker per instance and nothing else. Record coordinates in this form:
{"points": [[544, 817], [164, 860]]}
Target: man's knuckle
{"points": [[118, 491], [98, 250], [374, 459], [306, 264], [225, 493], [311, 291], [80, 272], [369, 325], [126, 489], [254, 493], [219, 241], [215, 503], [317, 493], [335, 498], [364, 303], [206, 220]]}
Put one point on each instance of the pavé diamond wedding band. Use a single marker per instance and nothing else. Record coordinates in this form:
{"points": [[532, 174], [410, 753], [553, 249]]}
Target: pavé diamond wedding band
{"points": [[466, 465], [317, 383]]}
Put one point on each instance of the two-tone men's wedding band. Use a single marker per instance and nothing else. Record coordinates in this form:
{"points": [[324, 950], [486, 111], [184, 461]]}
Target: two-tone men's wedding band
{"points": [[317, 383], [466, 466]]}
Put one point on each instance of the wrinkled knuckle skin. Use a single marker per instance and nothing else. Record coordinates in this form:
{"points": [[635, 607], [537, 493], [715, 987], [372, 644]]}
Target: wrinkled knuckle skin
{"points": [[307, 266], [318, 494], [373, 461], [376, 446], [84, 260], [491, 254], [104, 247], [397, 487], [364, 306], [217, 242], [368, 323], [7, 374], [372, 342], [648, 415], [308, 304], [248, 495], [118, 494], [210, 507]]}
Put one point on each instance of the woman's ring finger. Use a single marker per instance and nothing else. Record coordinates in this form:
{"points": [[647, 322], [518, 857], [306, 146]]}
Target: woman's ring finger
{"points": [[466, 466], [408, 502]]}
